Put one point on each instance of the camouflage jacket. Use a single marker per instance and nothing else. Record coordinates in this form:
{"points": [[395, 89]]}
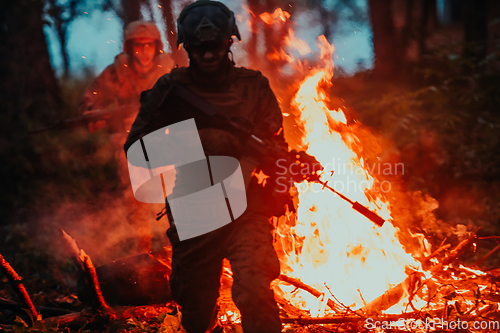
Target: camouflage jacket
{"points": [[119, 86]]}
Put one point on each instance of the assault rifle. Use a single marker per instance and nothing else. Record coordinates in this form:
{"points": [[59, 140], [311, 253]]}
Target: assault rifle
{"points": [[89, 117], [266, 150]]}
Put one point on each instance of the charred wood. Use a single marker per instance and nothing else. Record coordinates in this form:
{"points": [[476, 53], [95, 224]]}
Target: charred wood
{"points": [[87, 270]]}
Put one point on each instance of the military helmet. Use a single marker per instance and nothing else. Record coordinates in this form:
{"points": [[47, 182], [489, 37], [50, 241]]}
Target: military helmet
{"points": [[206, 21], [142, 29]]}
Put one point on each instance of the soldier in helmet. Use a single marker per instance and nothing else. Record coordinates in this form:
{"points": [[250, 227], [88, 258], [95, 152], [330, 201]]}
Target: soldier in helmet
{"points": [[206, 29], [118, 89], [134, 70]]}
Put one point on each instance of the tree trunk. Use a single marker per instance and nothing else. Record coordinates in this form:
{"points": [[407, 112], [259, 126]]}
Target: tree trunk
{"points": [[476, 29], [131, 11], [428, 21], [385, 44], [171, 32], [27, 83]]}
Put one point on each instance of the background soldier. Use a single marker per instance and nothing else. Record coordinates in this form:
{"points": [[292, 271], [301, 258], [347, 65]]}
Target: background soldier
{"points": [[118, 89], [134, 70], [206, 29]]}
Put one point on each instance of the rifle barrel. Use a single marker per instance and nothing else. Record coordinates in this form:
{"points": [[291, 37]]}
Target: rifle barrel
{"points": [[374, 217]]}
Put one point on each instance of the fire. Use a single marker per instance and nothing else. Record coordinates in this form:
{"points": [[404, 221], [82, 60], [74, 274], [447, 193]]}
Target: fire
{"points": [[297, 43], [327, 245], [278, 14], [332, 247]]}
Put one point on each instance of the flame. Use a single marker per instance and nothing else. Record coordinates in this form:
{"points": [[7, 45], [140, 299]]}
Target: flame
{"points": [[278, 14], [297, 43], [332, 247]]}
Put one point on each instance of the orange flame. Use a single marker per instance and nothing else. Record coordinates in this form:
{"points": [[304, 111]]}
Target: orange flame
{"points": [[332, 246], [278, 14]]}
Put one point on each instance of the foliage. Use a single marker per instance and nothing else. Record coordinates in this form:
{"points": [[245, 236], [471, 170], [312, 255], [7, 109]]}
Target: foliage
{"points": [[445, 124]]}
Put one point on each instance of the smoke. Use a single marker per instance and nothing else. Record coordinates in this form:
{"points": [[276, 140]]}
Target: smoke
{"points": [[81, 185], [113, 226]]}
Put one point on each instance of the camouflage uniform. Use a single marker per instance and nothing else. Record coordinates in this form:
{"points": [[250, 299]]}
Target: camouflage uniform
{"points": [[119, 87], [246, 242]]}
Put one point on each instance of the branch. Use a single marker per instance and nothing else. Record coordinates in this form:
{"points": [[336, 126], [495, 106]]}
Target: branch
{"points": [[483, 259], [87, 269], [356, 319], [299, 284], [455, 253], [44, 310], [15, 281]]}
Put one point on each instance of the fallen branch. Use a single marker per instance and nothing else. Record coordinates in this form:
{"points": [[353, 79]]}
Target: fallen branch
{"points": [[44, 310], [74, 319], [15, 281], [339, 319], [87, 269], [299, 284]]}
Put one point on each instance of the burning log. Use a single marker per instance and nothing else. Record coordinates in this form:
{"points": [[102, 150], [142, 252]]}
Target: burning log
{"points": [[299, 284], [87, 269], [15, 281], [391, 297]]}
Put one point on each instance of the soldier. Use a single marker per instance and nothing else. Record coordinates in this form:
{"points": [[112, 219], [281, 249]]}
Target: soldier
{"points": [[118, 88], [206, 28], [134, 70]]}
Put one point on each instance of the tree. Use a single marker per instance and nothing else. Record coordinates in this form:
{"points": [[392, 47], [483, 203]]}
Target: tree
{"points": [[400, 30], [171, 32], [475, 29], [62, 16], [27, 78], [384, 39], [130, 11], [29, 94]]}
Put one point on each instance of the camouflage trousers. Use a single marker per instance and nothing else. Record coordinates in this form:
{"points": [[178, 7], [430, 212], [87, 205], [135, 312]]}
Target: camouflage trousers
{"points": [[196, 270]]}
